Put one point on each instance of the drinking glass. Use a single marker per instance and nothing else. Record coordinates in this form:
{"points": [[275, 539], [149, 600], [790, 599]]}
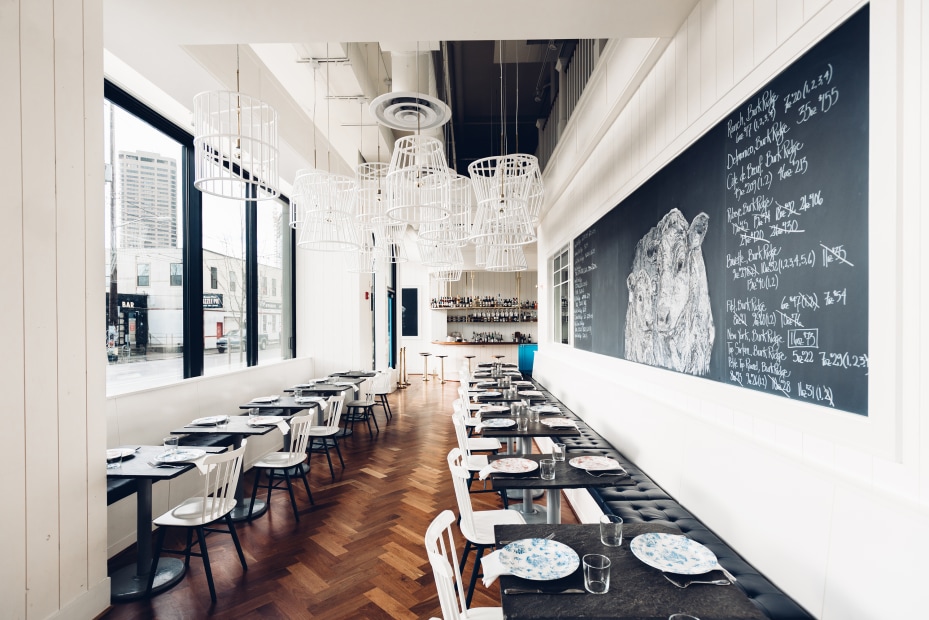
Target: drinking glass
{"points": [[522, 423], [596, 573], [115, 463], [298, 393], [170, 444], [611, 530], [253, 413], [547, 469], [533, 415], [558, 451]]}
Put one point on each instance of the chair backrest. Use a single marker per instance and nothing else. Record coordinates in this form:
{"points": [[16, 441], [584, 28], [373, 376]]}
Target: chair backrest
{"points": [[461, 435], [335, 410], [299, 434], [460, 477], [220, 475], [440, 548], [380, 384]]}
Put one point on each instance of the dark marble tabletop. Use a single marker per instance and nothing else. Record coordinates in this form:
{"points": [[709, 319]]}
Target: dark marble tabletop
{"points": [[637, 591], [566, 476]]}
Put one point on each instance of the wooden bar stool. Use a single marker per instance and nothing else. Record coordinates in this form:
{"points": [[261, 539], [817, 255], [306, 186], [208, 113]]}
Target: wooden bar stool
{"points": [[425, 365], [442, 362], [469, 358]]}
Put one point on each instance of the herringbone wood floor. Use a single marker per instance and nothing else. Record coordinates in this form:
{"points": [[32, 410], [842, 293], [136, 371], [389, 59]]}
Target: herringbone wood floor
{"points": [[358, 553]]}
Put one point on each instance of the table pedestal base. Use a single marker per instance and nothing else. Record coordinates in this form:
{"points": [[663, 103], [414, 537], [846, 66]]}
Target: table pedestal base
{"points": [[127, 585], [536, 516], [241, 510]]}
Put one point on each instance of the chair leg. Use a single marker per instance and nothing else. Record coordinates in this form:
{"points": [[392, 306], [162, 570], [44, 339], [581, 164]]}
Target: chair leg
{"points": [[154, 569], [371, 413], [290, 489], [306, 483], [235, 540], [328, 458], [251, 507], [335, 442], [188, 547], [464, 554], [201, 536], [386, 404], [478, 553]]}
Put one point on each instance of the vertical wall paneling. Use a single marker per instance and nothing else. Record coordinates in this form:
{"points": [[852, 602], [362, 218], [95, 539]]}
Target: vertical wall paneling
{"points": [[918, 14], [692, 68], [71, 318], [39, 295], [13, 518], [789, 18], [766, 37], [743, 39], [94, 265], [708, 54], [724, 46], [680, 78]]}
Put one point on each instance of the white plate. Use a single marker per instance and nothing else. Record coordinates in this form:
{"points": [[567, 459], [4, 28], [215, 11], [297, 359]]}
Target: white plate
{"points": [[514, 466], [119, 453], [498, 423], [181, 456], [264, 420], [559, 423], [488, 394], [539, 559], [530, 393], [210, 420], [673, 553], [266, 399], [493, 408], [595, 463], [545, 408]]}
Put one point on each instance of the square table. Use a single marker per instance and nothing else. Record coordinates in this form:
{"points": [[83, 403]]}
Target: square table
{"points": [[356, 374], [566, 477], [239, 428], [286, 404], [637, 590], [130, 582], [533, 429]]}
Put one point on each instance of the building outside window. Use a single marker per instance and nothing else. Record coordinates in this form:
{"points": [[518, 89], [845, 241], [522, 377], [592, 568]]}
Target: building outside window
{"points": [[214, 278], [273, 262], [177, 274], [143, 274]]}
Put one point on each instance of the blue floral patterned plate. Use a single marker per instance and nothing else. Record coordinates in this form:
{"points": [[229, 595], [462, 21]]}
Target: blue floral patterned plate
{"points": [[673, 553], [539, 559]]}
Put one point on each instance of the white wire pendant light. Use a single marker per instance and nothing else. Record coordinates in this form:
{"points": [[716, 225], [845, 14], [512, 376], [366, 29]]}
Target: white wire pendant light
{"points": [[418, 181], [391, 236], [371, 179], [506, 259], [370, 254], [456, 228], [235, 145]]}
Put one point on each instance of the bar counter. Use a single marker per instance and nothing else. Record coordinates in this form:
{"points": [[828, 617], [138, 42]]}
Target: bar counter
{"points": [[483, 353]]}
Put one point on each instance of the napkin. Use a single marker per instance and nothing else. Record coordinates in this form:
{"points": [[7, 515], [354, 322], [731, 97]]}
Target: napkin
{"points": [[486, 471], [308, 399], [493, 567], [530, 393], [560, 423], [350, 384]]}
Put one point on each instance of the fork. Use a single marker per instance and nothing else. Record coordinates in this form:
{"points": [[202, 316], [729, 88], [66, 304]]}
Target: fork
{"points": [[714, 582], [607, 473], [171, 465]]}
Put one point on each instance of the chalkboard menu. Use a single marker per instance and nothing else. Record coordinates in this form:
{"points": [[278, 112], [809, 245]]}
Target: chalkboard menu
{"points": [[745, 259]]}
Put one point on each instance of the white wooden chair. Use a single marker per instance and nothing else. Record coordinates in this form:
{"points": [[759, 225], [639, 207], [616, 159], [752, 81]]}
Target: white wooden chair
{"points": [[327, 435], [440, 548], [280, 467], [201, 513]]}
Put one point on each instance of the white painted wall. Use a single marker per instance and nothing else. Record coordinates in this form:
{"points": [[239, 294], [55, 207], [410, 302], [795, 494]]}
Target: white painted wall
{"points": [[830, 506], [52, 527]]}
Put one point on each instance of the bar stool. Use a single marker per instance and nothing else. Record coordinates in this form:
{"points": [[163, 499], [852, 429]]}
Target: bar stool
{"points": [[442, 362], [469, 358], [425, 365]]}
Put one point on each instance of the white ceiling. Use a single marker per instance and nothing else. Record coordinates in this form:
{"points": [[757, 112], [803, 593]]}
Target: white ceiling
{"points": [[167, 51]]}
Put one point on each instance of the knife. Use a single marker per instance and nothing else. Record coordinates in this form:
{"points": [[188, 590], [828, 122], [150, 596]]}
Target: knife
{"points": [[531, 591]]}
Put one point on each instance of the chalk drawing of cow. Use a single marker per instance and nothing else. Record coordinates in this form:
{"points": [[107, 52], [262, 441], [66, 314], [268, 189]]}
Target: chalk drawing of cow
{"points": [[682, 330], [640, 317]]}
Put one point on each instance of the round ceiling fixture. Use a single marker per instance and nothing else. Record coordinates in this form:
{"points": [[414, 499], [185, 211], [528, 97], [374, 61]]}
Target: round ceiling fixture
{"points": [[410, 111]]}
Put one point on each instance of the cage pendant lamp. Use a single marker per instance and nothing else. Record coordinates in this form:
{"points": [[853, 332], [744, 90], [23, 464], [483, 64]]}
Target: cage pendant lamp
{"points": [[446, 275], [502, 185], [371, 180], [392, 239], [418, 181], [456, 228], [370, 254], [235, 146], [326, 204], [506, 259]]}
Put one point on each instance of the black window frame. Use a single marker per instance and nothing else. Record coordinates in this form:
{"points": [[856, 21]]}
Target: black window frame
{"points": [[192, 235]]}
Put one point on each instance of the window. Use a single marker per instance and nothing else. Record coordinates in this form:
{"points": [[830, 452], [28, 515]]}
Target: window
{"points": [[152, 255], [561, 295], [143, 274], [177, 274]]}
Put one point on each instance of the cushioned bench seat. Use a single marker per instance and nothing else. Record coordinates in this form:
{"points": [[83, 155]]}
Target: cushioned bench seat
{"points": [[119, 488], [645, 501]]}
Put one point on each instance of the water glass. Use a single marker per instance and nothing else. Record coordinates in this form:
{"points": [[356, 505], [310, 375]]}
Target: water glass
{"points": [[522, 423], [533, 415], [253, 413], [558, 451], [170, 444], [298, 393], [596, 573], [611, 530], [547, 469], [115, 463]]}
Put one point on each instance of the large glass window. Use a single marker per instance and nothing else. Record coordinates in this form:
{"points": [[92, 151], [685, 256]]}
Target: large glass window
{"points": [[561, 295], [144, 321], [158, 270], [224, 325]]}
